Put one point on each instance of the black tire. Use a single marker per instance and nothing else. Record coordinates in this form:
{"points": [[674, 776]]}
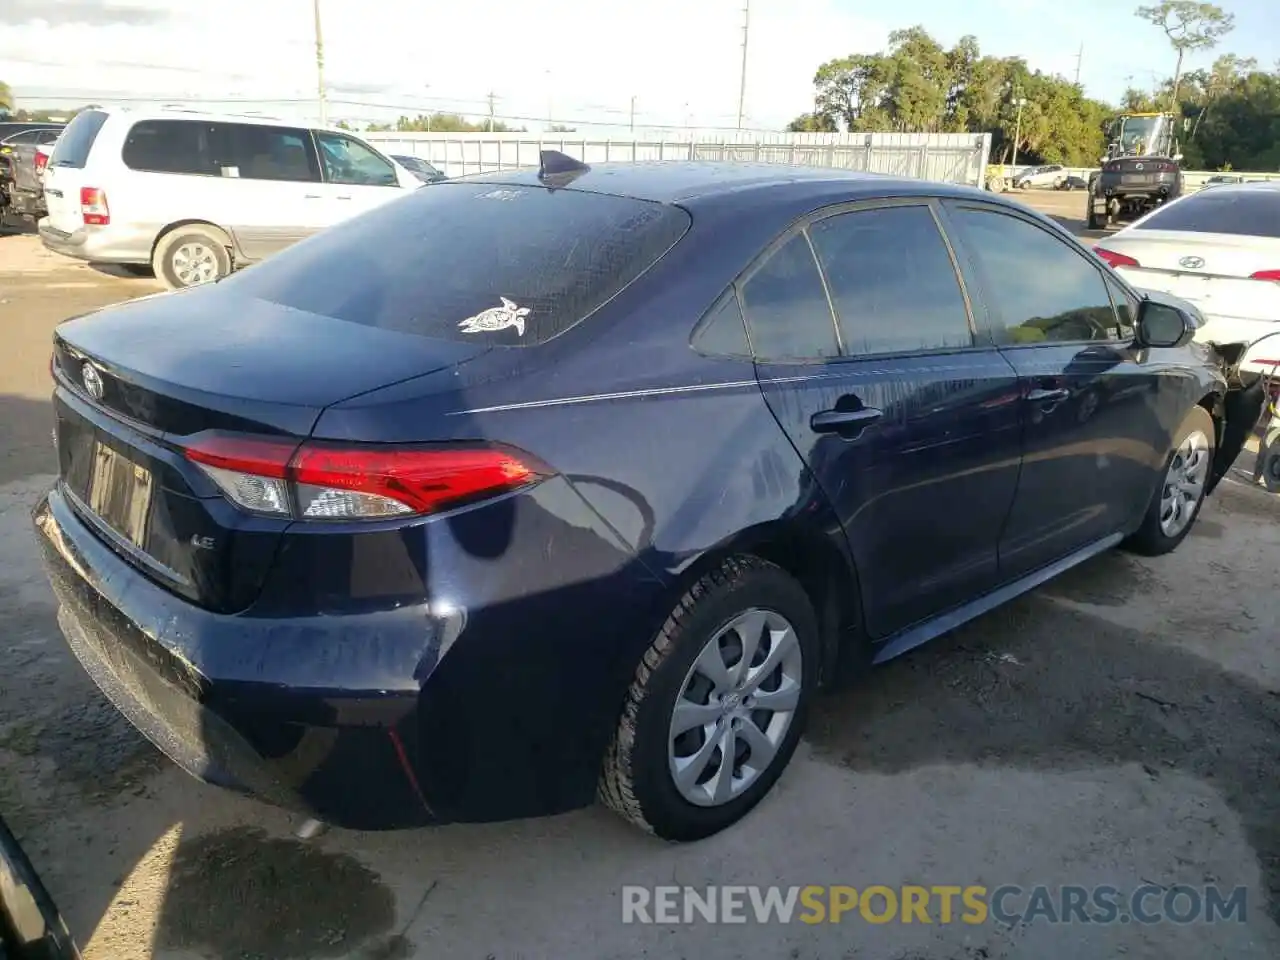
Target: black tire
{"points": [[1149, 539], [1092, 220], [636, 780], [217, 243]]}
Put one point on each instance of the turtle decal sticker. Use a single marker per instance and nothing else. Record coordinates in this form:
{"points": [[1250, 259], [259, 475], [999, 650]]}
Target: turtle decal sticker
{"points": [[496, 318]]}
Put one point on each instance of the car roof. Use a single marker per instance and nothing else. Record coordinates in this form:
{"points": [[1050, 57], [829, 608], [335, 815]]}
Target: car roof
{"points": [[185, 113], [683, 182]]}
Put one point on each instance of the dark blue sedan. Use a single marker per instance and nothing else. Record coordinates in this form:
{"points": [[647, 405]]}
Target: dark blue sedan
{"points": [[542, 486]]}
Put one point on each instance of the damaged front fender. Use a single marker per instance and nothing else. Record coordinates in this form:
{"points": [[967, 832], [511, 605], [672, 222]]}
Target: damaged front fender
{"points": [[1241, 407]]}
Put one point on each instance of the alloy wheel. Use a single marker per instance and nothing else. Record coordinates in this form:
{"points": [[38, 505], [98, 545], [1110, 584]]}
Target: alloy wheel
{"points": [[735, 706], [1184, 483], [194, 263]]}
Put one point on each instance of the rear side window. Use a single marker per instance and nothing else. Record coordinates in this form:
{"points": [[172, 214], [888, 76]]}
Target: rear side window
{"points": [[168, 146], [786, 306], [239, 150], [1246, 212], [256, 152], [77, 140], [483, 262], [892, 281]]}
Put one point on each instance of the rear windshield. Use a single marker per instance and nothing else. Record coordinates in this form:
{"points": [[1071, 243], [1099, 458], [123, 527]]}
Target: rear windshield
{"points": [[77, 139], [1249, 212], [473, 261]]}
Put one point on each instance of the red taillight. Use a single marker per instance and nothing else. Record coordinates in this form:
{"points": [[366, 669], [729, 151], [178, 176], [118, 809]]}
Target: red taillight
{"points": [[348, 482], [93, 206], [1266, 275], [1115, 259], [42, 161]]}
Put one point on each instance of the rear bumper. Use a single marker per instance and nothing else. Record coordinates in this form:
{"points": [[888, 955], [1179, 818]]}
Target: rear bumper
{"points": [[500, 706], [24, 203], [209, 690], [109, 244]]}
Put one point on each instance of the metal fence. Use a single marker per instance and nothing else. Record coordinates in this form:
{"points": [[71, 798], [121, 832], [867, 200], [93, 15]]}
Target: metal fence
{"points": [[949, 157]]}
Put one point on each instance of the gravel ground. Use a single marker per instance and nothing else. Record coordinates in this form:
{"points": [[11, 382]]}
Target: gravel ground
{"points": [[1117, 726]]}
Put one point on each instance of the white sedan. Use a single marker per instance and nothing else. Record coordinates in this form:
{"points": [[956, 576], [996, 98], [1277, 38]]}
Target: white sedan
{"points": [[1220, 249]]}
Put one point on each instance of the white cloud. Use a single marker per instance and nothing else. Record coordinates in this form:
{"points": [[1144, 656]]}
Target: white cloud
{"points": [[587, 60]]}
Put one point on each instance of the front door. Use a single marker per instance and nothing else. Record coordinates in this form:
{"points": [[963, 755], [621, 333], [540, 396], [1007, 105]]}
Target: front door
{"points": [[1095, 422], [865, 354], [356, 178]]}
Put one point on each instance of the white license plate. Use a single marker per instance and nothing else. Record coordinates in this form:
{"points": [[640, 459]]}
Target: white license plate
{"points": [[120, 494]]}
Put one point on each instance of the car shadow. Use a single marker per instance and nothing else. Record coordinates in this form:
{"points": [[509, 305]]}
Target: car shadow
{"points": [[1045, 685], [124, 271]]}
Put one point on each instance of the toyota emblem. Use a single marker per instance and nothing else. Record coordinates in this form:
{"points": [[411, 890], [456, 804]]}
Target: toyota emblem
{"points": [[1191, 263], [92, 381]]}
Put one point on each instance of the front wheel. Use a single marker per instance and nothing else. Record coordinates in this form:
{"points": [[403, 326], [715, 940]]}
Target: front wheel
{"points": [[1180, 494], [717, 705]]}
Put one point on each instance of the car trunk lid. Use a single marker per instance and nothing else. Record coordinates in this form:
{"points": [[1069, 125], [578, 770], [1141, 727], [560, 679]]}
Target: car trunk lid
{"points": [[138, 383]]}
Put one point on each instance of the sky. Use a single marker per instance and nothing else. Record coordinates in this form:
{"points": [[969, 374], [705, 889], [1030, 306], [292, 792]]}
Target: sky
{"points": [[576, 62]]}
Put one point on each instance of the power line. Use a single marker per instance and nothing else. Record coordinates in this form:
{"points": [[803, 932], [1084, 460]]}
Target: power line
{"points": [[642, 119]]}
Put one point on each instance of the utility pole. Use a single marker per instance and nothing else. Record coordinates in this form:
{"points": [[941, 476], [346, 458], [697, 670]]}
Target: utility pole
{"points": [[324, 99], [1079, 60], [1017, 135], [742, 81], [633, 113], [491, 98]]}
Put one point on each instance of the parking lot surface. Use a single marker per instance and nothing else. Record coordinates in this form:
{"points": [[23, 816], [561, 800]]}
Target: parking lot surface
{"points": [[1118, 726]]}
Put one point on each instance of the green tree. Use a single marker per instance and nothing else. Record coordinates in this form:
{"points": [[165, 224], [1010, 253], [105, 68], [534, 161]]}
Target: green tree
{"points": [[1189, 26]]}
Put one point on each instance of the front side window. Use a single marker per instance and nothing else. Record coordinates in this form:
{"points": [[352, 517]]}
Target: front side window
{"points": [[892, 281], [787, 312], [1126, 309], [1039, 288], [348, 161]]}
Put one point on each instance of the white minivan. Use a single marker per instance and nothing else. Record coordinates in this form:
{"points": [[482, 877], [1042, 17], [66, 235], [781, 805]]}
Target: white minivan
{"points": [[195, 196]]}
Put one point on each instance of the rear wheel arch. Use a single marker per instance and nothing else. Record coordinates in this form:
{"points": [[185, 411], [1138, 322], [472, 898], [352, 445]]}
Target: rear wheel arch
{"points": [[825, 572], [167, 230]]}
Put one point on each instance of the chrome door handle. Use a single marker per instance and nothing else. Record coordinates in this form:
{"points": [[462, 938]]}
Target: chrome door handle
{"points": [[848, 424], [1042, 396]]}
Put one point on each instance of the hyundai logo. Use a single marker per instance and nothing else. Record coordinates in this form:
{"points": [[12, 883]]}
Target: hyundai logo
{"points": [[92, 381], [1137, 166], [1191, 263]]}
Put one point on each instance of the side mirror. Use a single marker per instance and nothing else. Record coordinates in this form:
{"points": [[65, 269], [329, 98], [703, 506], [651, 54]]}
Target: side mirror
{"points": [[1164, 325]]}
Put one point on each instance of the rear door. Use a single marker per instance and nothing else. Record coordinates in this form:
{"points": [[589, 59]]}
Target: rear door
{"points": [[1220, 249], [1097, 413], [65, 174], [865, 352], [276, 180], [356, 177]]}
